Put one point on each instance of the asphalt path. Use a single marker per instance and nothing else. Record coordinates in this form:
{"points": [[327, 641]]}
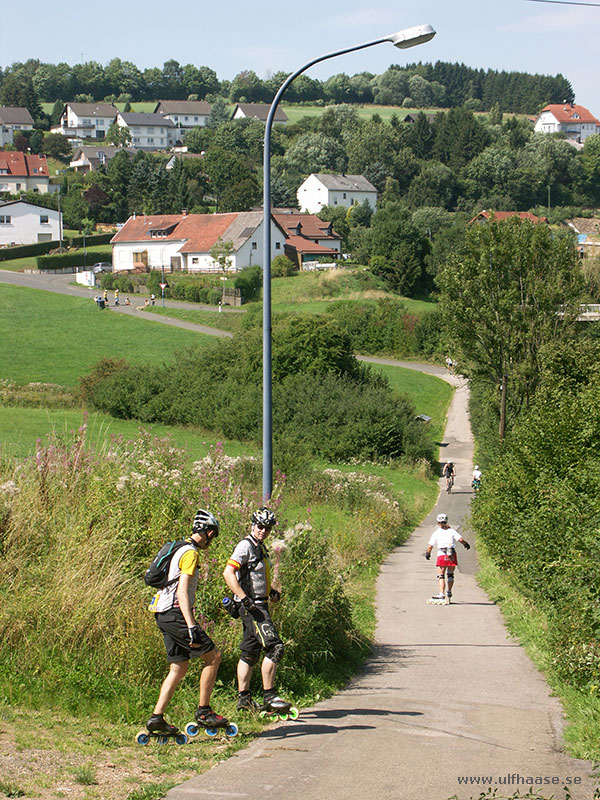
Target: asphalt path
{"points": [[447, 705]]}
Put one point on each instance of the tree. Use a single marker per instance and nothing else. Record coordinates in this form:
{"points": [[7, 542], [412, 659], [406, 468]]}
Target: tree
{"points": [[219, 113], [118, 135], [315, 153], [17, 90], [58, 146], [399, 248], [515, 287], [221, 252]]}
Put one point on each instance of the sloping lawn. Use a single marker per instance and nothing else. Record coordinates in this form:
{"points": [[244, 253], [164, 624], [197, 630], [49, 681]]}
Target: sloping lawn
{"points": [[54, 338]]}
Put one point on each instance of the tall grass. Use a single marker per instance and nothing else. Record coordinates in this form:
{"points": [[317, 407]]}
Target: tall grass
{"points": [[78, 526]]}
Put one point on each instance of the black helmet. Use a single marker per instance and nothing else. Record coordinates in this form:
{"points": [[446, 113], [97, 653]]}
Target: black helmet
{"points": [[204, 521], [264, 517]]}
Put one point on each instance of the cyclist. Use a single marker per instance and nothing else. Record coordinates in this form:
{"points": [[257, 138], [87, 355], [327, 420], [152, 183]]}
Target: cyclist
{"points": [[444, 538], [248, 575], [449, 473]]}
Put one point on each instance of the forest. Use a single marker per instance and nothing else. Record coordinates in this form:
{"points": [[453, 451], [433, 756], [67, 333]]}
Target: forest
{"points": [[441, 85]]}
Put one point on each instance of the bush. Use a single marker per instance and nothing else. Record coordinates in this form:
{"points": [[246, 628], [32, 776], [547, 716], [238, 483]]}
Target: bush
{"points": [[76, 259], [249, 282], [282, 267], [384, 327]]}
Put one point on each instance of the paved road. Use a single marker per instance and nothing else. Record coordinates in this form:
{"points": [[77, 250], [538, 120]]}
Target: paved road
{"points": [[446, 696]]}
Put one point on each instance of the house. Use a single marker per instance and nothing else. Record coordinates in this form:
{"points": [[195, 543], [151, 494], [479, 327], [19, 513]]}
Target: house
{"points": [[259, 111], [183, 241], [500, 216], [307, 237], [148, 131], [184, 114], [86, 120], [21, 172], [576, 122], [22, 222], [320, 190], [13, 119], [88, 158]]}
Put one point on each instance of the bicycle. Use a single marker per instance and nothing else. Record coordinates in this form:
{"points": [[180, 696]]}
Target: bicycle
{"points": [[449, 483]]}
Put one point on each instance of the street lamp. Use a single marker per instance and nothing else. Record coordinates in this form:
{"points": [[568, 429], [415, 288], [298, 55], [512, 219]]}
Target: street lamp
{"points": [[410, 37]]}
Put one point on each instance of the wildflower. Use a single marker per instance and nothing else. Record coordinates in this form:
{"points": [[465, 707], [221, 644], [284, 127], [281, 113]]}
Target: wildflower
{"points": [[10, 487]]}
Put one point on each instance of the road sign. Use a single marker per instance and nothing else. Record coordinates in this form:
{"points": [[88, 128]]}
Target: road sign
{"points": [[163, 285]]}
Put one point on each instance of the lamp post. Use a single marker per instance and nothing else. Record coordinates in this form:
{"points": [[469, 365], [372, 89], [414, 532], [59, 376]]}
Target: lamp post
{"points": [[410, 37]]}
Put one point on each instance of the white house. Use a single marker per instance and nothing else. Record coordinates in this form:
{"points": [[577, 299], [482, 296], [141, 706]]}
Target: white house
{"points": [[184, 114], [148, 131], [576, 122], [320, 190], [22, 222], [89, 157], [259, 111], [86, 120], [12, 120], [183, 241], [22, 172]]}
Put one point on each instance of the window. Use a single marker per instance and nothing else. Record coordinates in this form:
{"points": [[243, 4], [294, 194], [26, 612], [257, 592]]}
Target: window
{"points": [[195, 260], [277, 245], [18, 187], [150, 140], [136, 139], [44, 219], [150, 130], [3, 187], [254, 245], [5, 220], [186, 118], [3, 171], [195, 119], [344, 195]]}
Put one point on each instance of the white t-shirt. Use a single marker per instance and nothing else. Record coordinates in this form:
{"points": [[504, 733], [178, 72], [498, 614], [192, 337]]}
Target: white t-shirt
{"points": [[444, 538], [476, 474]]}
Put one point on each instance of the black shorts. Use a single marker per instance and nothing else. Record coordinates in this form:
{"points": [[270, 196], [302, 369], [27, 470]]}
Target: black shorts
{"points": [[175, 632], [259, 633]]}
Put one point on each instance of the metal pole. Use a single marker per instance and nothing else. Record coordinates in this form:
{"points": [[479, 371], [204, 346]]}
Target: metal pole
{"points": [[162, 288], [267, 361], [502, 427]]}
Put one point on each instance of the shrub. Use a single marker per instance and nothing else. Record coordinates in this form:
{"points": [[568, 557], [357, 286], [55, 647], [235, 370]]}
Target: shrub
{"points": [[282, 267], [249, 282]]}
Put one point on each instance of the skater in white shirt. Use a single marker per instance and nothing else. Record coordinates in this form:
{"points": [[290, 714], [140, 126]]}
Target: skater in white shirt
{"points": [[444, 538]]}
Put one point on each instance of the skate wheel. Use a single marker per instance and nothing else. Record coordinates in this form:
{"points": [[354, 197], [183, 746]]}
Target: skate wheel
{"points": [[212, 732], [262, 714], [181, 738], [231, 729], [162, 738], [192, 729], [294, 713], [284, 717], [142, 737]]}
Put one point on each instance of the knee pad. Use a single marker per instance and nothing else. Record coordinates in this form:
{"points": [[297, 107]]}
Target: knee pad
{"points": [[450, 577], [275, 652]]}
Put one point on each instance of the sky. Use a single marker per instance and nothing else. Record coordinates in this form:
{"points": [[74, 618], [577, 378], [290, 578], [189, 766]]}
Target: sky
{"points": [[233, 35]]}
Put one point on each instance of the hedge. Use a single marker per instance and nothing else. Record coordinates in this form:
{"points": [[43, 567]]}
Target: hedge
{"points": [[39, 248], [75, 259]]}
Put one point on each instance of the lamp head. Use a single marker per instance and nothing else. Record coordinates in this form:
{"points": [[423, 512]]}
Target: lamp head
{"points": [[410, 37]]}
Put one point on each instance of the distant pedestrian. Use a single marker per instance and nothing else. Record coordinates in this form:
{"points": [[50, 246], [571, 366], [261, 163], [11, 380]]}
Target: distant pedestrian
{"points": [[127, 301], [153, 298], [116, 297]]}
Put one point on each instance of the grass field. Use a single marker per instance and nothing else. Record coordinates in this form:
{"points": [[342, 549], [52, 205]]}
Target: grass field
{"points": [[55, 338], [19, 264]]}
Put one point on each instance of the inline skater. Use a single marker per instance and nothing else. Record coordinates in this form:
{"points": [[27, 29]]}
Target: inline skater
{"points": [[476, 480], [184, 639], [444, 538], [248, 576]]}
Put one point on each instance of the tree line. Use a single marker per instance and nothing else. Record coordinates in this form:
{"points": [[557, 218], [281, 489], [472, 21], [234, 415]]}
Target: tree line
{"points": [[442, 85]]}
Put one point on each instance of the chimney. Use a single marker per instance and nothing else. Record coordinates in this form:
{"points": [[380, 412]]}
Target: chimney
{"points": [[184, 212]]}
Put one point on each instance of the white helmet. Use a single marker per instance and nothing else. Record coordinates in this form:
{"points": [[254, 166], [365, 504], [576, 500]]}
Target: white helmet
{"points": [[476, 466], [442, 518]]}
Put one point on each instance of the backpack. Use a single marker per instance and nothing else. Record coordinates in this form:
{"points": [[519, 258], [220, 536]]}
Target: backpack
{"points": [[158, 572]]}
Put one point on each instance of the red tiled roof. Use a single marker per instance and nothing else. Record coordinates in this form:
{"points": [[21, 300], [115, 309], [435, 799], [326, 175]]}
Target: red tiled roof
{"points": [[570, 113], [23, 165], [312, 226], [499, 216], [302, 245]]}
